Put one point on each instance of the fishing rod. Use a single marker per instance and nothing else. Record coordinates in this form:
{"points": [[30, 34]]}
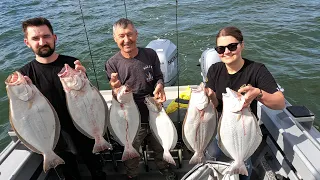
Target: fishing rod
{"points": [[85, 29], [95, 74]]}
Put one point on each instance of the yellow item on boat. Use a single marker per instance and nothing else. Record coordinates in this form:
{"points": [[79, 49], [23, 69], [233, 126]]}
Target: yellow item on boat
{"points": [[184, 99]]}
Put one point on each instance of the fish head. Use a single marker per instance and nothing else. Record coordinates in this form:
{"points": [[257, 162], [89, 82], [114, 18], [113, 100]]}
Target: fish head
{"points": [[124, 94], [232, 100], [19, 86], [199, 97], [71, 79], [152, 104]]}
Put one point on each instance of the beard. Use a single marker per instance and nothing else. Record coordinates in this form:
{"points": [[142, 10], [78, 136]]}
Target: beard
{"points": [[44, 51]]}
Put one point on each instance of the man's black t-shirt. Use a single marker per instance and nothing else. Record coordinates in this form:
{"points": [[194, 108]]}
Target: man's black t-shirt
{"points": [[251, 72], [140, 73], [45, 78]]}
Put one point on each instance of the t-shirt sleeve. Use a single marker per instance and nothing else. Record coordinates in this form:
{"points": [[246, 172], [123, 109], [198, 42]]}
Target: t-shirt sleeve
{"points": [[25, 70], [109, 69], [265, 80], [210, 78]]}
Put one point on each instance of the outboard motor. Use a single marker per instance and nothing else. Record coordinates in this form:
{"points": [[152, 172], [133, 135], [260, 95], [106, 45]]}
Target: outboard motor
{"points": [[167, 53], [208, 57]]}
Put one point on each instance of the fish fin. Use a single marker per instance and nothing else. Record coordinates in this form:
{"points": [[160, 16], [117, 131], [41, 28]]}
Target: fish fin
{"points": [[129, 153], [197, 158], [101, 145], [51, 160], [238, 168], [168, 157]]}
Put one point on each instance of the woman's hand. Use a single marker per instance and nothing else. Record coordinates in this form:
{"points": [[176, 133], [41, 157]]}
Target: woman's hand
{"points": [[212, 96], [250, 94]]}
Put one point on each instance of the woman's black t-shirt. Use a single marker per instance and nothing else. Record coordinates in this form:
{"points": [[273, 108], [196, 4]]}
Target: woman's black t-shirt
{"points": [[251, 72]]}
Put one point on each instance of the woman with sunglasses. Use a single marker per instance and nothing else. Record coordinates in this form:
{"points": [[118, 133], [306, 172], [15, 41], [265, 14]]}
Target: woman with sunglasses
{"points": [[240, 74]]}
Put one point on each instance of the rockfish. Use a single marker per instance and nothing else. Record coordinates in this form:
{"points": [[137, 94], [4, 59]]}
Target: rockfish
{"points": [[124, 122], [239, 132], [33, 118], [199, 125], [162, 128], [86, 106]]}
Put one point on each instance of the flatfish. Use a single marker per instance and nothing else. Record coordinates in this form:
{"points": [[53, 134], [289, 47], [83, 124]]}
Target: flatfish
{"points": [[86, 106], [239, 132], [124, 122], [162, 128], [199, 125], [33, 119]]}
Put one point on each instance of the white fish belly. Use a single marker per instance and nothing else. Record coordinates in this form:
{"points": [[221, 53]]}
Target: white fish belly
{"points": [[88, 111], [240, 134], [163, 129], [198, 131], [35, 122], [124, 121]]}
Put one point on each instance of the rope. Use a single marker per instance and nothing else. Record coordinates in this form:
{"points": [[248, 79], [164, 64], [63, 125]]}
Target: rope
{"points": [[125, 7], [85, 29]]}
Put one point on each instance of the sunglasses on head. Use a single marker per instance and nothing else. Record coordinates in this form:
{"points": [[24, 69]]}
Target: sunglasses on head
{"points": [[231, 47]]}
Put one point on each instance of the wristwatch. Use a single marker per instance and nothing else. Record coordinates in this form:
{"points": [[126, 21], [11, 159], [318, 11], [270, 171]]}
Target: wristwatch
{"points": [[259, 95]]}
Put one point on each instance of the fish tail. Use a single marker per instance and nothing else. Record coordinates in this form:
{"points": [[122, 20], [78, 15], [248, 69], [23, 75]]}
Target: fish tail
{"points": [[168, 157], [100, 145], [238, 168], [51, 160], [129, 153], [197, 158]]}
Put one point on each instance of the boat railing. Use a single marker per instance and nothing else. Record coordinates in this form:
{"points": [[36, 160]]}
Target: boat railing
{"points": [[292, 141], [8, 150]]}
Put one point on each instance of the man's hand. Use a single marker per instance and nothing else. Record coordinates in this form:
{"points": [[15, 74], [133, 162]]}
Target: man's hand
{"points": [[79, 66], [159, 93], [114, 81], [29, 81]]}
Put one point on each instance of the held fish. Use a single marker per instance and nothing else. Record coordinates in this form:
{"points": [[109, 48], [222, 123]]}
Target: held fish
{"points": [[239, 132], [33, 119], [124, 122], [199, 125], [162, 128], [86, 106]]}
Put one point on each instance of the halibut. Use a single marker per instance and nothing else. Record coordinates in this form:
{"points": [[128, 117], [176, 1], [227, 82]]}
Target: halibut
{"points": [[86, 105], [239, 132], [124, 122], [199, 125], [33, 119], [162, 128]]}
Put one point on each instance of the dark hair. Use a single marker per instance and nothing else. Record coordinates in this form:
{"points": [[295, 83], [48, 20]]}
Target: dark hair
{"points": [[230, 31], [123, 23], [38, 21]]}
